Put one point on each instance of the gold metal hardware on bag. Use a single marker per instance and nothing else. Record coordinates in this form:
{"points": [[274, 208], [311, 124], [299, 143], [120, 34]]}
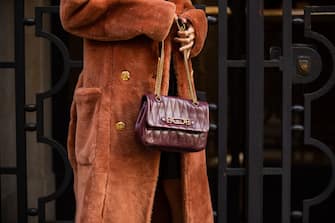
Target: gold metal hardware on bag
{"points": [[160, 66], [158, 98], [181, 26], [177, 121]]}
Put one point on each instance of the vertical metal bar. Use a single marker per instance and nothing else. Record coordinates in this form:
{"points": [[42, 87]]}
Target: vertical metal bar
{"points": [[286, 110], [41, 212], [223, 113], [255, 105], [20, 113], [0, 199]]}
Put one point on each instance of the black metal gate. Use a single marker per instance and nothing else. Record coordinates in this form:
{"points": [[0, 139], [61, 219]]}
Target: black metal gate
{"points": [[296, 65]]}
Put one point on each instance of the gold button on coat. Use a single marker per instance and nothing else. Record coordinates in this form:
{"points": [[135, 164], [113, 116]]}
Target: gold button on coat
{"points": [[125, 75], [120, 125]]}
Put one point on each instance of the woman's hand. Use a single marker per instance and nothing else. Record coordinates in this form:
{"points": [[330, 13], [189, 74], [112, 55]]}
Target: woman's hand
{"points": [[185, 37]]}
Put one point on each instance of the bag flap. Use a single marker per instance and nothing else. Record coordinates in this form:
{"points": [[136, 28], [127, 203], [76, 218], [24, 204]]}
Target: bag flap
{"points": [[176, 113]]}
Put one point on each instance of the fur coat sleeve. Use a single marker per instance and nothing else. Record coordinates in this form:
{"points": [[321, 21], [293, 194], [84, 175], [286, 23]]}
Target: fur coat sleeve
{"points": [[198, 20], [110, 20]]}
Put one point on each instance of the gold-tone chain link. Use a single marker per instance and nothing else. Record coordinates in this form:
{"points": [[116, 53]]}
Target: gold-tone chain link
{"points": [[160, 66]]}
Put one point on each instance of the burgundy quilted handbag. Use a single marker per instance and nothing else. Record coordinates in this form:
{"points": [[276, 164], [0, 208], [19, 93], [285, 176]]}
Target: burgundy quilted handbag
{"points": [[171, 123]]}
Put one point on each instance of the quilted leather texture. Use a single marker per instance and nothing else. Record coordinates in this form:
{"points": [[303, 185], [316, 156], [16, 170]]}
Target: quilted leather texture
{"points": [[178, 108], [184, 141], [154, 131]]}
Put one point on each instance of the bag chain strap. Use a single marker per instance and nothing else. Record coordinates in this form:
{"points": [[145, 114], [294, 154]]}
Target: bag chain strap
{"points": [[160, 66]]}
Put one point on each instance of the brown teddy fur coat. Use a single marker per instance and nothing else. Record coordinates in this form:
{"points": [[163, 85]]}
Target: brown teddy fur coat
{"points": [[115, 176]]}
